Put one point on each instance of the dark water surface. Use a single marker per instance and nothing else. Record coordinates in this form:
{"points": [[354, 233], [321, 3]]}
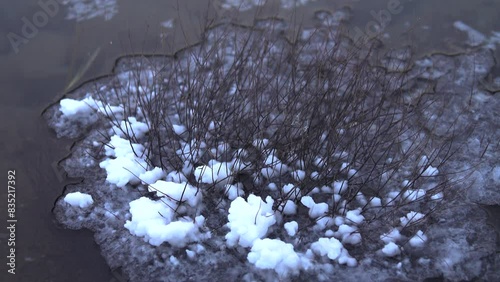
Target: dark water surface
{"points": [[43, 67]]}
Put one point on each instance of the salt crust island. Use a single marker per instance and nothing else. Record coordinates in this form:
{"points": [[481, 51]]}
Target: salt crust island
{"points": [[198, 222]]}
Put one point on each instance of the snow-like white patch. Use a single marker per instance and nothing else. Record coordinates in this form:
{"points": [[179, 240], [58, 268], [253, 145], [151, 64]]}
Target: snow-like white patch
{"points": [[326, 189], [204, 174], [176, 176], [131, 127], [272, 186], [298, 175], [168, 23], [233, 191], [430, 171], [291, 191], [119, 147], [391, 197], [217, 173], [260, 143], [425, 62], [315, 210], [239, 166], [361, 199], [191, 151], [315, 175], [392, 236], [330, 247], [190, 254], [375, 202], [348, 234], [242, 5], [173, 260], [174, 193], [426, 168], [391, 249], [355, 217], [126, 166], [330, 19], [153, 220], [495, 174], [437, 196], [475, 38], [273, 167], [449, 259], [323, 222], [339, 220], [278, 255], [179, 129], [290, 4], [249, 220], [339, 187], [410, 218], [78, 199], [146, 211], [418, 240], [413, 195], [77, 108], [81, 10], [289, 207], [334, 250], [151, 176], [319, 162], [291, 228], [245, 5]]}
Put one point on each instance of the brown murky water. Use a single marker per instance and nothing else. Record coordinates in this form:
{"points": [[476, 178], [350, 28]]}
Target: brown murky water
{"points": [[44, 66]]}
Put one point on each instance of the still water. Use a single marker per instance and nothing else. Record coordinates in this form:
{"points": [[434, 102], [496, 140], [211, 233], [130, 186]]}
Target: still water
{"points": [[58, 55]]}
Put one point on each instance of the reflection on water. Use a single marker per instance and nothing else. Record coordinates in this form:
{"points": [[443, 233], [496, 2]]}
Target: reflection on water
{"points": [[428, 25], [50, 61], [81, 10]]}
